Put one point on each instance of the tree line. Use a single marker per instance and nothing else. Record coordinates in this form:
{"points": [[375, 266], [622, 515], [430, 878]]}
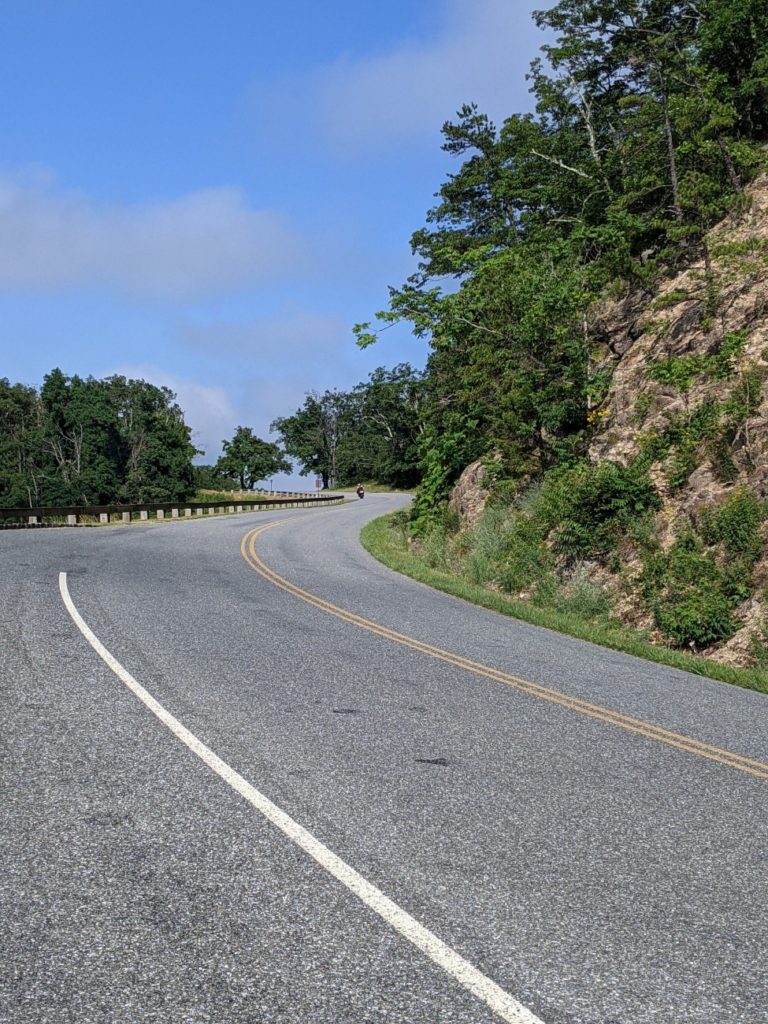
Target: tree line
{"points": [[82, 441], [650, 118], [369, 433]]}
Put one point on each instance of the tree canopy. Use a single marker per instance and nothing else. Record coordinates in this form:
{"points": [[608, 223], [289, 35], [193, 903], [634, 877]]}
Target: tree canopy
{"points": [[368, 433], [649, 119], [85, 441], [249, 459]]}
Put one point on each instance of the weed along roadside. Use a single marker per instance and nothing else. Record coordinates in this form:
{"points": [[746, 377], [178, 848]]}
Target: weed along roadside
{"points": [[388, 540]]}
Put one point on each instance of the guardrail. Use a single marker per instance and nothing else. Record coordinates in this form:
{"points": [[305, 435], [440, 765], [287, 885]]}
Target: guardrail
{"points": [[96, 515]]}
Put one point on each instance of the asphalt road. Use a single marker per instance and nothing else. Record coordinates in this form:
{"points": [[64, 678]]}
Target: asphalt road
{"points": [[597, 874]]}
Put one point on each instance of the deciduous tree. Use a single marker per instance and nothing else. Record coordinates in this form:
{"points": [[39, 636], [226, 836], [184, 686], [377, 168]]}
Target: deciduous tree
{"points": [[249, 459]]}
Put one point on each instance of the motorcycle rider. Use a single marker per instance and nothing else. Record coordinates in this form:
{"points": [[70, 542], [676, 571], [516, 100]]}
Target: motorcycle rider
{"points": [[360, 491]]}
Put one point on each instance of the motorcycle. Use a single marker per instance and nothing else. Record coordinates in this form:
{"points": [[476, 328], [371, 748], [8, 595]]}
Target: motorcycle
{"points": [[360, 492]]}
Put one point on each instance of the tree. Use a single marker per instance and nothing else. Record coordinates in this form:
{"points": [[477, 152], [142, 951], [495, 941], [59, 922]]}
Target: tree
{"points": [[81, 441], [647, 123], [20, 445], [86, 441], [208, 478], [157, 450], [388, 426], [313, 434], [249, 459]]}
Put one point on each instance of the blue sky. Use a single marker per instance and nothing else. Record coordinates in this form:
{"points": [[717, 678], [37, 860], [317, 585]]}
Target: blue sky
{"points": [[208, 195]]}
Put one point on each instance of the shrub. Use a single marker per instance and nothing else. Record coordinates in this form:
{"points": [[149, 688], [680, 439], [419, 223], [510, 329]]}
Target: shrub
{"points": [[736, 524], [745, 398], [695, 619], [690, 596], [681, 464], [678, 372], [723, 362], [526, 560], [591, 507]]}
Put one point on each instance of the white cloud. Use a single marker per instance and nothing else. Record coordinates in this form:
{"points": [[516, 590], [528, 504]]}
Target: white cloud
{"points": [[278, 359], [198, 245], [207, 410], [479, 54], [298, 335]]}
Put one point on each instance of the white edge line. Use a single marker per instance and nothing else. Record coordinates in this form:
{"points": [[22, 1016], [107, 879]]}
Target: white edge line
{"points": [[503, 1004]]}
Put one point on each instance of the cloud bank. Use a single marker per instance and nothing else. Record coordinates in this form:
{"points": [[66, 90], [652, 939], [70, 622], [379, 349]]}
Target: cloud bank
{"points": [[479, 53], [200, 245], [207, 410], [296, 339]]}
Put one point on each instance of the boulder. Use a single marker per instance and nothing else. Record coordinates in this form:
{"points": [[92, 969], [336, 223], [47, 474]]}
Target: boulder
{"points": [[469, 496]]}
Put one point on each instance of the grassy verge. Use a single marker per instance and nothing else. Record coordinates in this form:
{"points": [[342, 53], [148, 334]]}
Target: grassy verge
{"points": [[201, 497], [375, 488], [388, 544]]}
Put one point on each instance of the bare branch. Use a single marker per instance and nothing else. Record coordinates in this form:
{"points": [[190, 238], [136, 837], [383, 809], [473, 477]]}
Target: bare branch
{"points": [[559, 163], [478, 327]]}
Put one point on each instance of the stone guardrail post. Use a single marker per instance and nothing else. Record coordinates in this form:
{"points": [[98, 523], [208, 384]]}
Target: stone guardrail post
{"points": [[74, 515]]}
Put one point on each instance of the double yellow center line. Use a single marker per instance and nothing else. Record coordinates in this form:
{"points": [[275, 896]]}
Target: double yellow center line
{"points": [[581, 707]]}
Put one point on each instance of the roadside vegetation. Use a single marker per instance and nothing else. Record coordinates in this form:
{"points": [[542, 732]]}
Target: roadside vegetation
{"points": [[460, 564], [592, 284], [624, 215]]}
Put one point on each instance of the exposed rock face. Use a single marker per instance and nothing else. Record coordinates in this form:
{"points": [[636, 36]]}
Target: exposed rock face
{"points": [[469, 496], [723, 302], [690, 315], [698, 345]]}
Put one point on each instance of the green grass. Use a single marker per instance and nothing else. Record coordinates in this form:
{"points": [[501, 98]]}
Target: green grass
{"points": [[375, 488], [387, 542], [234, 497]]}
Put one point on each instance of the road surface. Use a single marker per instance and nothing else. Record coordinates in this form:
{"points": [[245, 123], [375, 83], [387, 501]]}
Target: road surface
{"points": [[347, 798]]}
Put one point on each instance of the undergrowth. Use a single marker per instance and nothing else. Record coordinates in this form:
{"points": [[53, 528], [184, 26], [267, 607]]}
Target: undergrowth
{"points": [[555, 556]]}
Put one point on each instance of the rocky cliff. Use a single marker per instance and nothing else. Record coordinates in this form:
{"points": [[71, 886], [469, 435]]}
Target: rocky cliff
{"points": [[666, 525], [688, 369]]}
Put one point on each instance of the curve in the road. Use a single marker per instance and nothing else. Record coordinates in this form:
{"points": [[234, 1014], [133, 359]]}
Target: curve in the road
{"points": [[482, 987], [582, 707]]}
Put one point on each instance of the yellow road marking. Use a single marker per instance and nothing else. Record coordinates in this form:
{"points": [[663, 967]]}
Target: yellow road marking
{"points": [[582, 707]]}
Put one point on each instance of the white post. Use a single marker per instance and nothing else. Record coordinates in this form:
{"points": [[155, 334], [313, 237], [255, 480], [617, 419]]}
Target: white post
{"points": [[143, 514], [103, 517], [71, 520], [161, 513], [126, 517]]}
